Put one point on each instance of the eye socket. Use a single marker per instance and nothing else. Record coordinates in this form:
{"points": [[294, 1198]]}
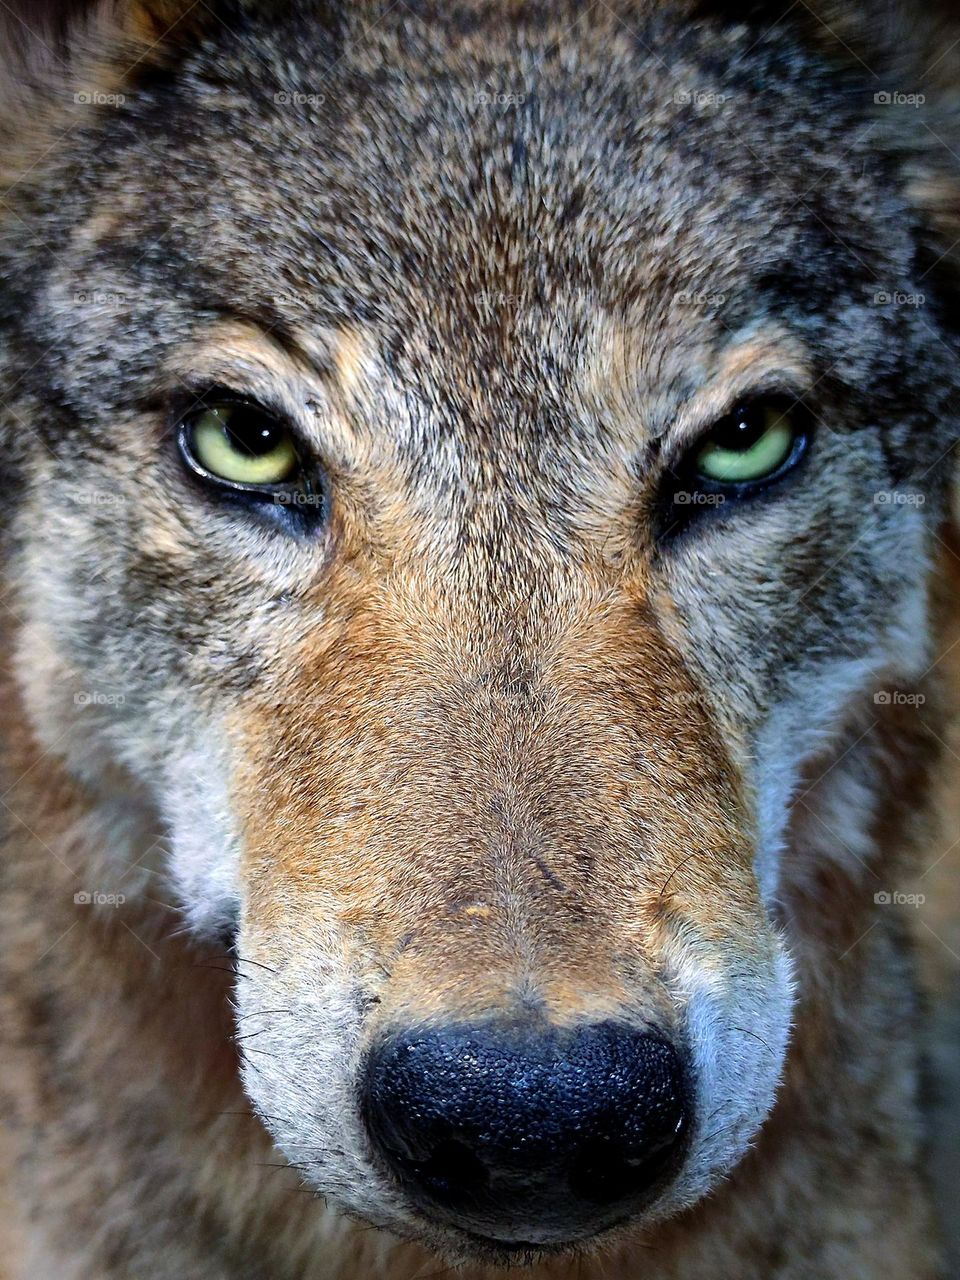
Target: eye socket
{"points": [[239, 443], [755, 443], [745, 453], [248, 455]]}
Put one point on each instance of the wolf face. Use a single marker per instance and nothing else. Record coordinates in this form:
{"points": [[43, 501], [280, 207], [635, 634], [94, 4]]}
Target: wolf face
{"points": [[481, 717]]}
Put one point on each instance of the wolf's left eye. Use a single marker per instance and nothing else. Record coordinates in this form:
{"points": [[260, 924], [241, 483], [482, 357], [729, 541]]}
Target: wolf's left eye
{"points": [[239, 443], [755, 443]]}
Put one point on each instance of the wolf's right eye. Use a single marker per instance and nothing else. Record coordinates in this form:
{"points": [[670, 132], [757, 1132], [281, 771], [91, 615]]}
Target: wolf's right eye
{"points": [[239, 443]]}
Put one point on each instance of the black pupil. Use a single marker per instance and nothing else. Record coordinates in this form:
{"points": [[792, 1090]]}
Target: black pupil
{"points": [[251, 432], [740, 430]]}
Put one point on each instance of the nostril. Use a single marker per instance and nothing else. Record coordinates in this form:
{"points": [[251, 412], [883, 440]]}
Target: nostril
{"points": [[604, 1173], [453, 1172]]}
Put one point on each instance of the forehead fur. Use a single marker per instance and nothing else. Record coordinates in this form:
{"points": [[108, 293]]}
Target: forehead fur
{"points": [[459, 180]]}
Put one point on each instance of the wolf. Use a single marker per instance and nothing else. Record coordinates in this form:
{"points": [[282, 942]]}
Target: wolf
{"points": [[475, 485]]}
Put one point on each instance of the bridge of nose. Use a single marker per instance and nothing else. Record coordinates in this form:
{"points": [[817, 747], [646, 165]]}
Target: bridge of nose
{"points": [[550, 812], [544, 782]]}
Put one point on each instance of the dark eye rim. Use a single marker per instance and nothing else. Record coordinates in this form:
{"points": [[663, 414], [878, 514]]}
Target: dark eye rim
{"points": [[674, 517], [801, 419], [185, 427], [743, 488], [302, 500]]}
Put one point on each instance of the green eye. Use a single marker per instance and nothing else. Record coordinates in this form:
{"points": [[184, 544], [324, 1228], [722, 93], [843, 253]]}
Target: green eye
{"points": [[241, 444], [749, 445]]}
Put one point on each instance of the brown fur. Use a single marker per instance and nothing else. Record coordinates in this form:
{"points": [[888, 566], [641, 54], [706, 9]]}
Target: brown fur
{"points": [[492, 745]]}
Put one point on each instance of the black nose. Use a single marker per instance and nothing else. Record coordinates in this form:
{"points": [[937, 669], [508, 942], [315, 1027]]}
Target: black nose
{"points": [[523, 1137]]}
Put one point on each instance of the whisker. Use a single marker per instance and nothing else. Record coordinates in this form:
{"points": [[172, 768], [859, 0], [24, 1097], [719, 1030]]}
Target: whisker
{"points": [[243, 960], [747, 1032], [683, 861]]}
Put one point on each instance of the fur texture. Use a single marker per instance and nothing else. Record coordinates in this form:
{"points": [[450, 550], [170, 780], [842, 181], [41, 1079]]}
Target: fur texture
{"points": [[506, 736]]}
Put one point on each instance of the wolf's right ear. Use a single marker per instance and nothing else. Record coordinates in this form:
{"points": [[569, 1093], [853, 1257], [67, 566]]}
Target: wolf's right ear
{"points": [[39, 28], [43, 40], [157, 22], [55, 55], [53, 51]]}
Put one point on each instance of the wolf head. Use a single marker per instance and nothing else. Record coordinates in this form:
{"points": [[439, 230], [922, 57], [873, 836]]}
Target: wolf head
{"points": [[466, 462]]}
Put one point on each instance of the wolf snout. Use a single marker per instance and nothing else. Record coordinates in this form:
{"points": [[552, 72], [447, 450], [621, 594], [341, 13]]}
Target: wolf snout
{"points": [[525, 1137]]}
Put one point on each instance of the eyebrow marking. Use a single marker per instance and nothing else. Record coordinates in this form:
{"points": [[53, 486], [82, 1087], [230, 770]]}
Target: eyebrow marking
{"points": [[350, 359]]}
